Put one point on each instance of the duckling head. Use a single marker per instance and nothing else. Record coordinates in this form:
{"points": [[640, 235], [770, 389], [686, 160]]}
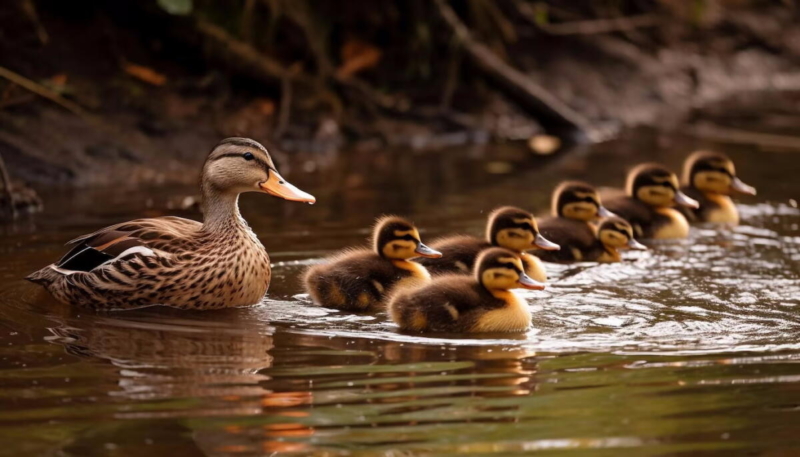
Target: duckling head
{"points": [[656, 186], [501, 269], [516, 229], [578, 200], [617, 233], [713, 172], [238, 165], [398, 239]]}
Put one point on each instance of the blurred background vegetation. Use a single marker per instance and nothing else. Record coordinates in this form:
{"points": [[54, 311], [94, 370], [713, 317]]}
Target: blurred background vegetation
{"points": [[136, 91]]}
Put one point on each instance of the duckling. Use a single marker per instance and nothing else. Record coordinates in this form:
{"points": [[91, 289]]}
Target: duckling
{"points": [[460, 303], [359, 279], [507, 227], [575, 207], [579, 201], [581, 242], [709, 178], [652, 190], [178, 262]]}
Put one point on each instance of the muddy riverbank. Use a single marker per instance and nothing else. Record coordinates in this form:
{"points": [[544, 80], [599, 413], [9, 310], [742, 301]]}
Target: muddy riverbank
{"points": [[150, 92]]}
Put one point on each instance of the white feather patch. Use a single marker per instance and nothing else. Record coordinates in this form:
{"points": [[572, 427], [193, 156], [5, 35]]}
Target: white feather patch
{"points": [[143, 250]]}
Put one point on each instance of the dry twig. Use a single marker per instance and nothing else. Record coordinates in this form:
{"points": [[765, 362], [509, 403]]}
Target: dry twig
{"points": [[589, 27], [547, 107], [42, 91], [7, 190]]}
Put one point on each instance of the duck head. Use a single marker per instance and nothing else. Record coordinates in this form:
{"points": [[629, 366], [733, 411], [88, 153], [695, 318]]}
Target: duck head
{"points": [[516, 229], [398, 239], [713, 172], [656, 186], [238, 165], [501, 269], [617, 233], [578, 200]]}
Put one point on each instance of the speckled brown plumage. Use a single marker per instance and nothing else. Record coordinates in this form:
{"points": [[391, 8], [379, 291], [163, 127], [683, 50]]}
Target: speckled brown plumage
{"points": [[360, 279], [179, 262], [710, 178], [581, 241], [482, 302], [460, 251], [649, 217], [573, 236]]}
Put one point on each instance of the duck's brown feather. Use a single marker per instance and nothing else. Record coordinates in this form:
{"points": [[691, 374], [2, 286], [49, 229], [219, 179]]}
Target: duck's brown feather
{"points": [[169, 233], [458, 254], [577, 239], [356, 280], [644, 219], [451, 303], [187, 267]]}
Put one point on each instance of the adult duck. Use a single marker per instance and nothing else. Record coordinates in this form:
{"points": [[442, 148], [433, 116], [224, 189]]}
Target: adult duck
{"points": [[178, 262]]}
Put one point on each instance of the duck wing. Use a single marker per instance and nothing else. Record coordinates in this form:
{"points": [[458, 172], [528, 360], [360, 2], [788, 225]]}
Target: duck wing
{"points": [[141, 236], [170, 233]]}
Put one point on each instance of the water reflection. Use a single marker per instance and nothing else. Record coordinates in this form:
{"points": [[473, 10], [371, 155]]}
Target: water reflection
{"points": [[165, 356], [382, 396]]}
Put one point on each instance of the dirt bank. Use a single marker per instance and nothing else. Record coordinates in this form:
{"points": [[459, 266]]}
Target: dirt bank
{"points": [[127, 92]]}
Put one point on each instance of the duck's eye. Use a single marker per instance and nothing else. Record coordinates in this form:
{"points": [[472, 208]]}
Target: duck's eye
{"points": [[248, 156]]}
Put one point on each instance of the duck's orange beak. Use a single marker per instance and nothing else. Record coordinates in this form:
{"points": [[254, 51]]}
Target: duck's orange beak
{"points": [[279, 187]]}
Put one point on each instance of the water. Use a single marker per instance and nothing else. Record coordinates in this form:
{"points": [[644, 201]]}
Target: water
{"points": [[683, 350]]}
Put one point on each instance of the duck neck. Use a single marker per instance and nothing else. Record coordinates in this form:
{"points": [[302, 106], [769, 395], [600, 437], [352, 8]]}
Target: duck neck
{"points": [[221, 211]]}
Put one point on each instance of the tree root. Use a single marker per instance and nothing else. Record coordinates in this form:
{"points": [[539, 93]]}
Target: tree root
{"points": [[589, 27], [42, 91], [7, 190], [552, 112]]}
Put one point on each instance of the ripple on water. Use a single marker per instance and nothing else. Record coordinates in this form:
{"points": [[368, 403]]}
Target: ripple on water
{"points": [[719, 291]]}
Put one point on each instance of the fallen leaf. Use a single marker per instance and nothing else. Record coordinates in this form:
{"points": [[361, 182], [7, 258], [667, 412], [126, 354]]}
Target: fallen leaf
{"points": [[357, 55], [59, 79], [145, 74], [264, 106]]}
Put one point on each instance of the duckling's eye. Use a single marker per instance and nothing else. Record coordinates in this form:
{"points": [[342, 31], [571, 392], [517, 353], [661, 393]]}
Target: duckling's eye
{"points": [[248, 156]]}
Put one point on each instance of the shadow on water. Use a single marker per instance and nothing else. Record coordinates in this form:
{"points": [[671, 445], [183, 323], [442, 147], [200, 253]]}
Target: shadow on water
{"points": [[688, 348]]}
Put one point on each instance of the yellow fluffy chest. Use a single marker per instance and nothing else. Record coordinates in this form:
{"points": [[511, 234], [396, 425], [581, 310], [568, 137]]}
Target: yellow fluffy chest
{"points": [[515, 316], [418, 276], [612, 256], [724, 210], [677, 227], [534, 267]]}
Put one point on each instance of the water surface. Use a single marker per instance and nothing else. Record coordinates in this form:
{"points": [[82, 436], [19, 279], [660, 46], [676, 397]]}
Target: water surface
{"points": [[687, 349]]}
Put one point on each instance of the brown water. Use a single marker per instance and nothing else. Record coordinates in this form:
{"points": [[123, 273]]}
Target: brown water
{"points": [[683, 350]]}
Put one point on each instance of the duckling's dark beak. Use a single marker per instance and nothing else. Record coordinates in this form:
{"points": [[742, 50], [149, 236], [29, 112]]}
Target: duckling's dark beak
{"points": [[684, 200], [279, 187], [543, 243], [741, 187], [425, 251], [603, 212], [633, 244], [526, 282]]}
